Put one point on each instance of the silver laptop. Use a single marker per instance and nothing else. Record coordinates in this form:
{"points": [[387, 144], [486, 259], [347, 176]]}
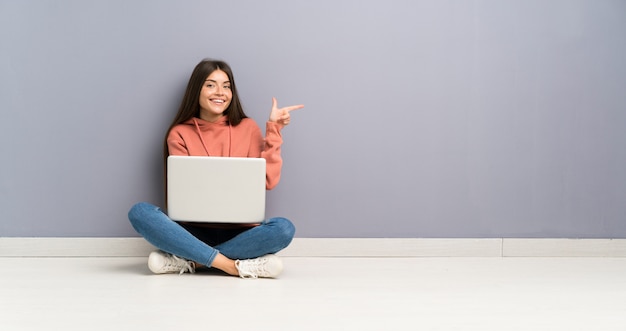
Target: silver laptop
{"points": [[216, 189]]}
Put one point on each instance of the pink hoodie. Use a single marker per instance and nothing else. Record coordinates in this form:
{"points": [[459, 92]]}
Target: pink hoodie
{"points": [[197, 137]]}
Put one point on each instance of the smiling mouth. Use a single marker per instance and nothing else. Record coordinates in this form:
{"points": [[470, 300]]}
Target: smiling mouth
{"points": [[218, 101]]}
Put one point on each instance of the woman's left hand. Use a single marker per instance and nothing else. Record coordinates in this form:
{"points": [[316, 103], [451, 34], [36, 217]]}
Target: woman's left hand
{"points": [[281, 115]]}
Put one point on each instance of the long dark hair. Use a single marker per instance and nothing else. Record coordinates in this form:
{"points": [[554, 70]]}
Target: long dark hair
{"points": [[190, 105]]}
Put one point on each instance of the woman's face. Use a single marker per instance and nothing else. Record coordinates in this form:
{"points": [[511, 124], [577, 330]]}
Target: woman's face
{"points": [[215, 96]]}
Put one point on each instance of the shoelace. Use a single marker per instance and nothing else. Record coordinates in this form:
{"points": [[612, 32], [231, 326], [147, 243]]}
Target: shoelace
{"points": [[177, 262], [251, 268]]}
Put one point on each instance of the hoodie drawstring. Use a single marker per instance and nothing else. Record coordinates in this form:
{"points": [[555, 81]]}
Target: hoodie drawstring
{"points": [[230, 141], [230, 138], [200, 135]]}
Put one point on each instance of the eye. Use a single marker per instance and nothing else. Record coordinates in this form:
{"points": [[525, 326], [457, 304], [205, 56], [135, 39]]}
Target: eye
{"points": [[227, 87], [210, 85]]}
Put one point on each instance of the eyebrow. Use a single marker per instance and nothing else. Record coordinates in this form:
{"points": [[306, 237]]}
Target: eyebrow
{"points": [[214, 81]]}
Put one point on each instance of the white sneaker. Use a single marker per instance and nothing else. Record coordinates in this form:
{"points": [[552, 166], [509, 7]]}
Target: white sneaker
{"points": [[268, 266], [160, 262]]}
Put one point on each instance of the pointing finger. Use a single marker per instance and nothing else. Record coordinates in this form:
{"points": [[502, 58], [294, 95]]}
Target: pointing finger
{"points": [[290, 108]]}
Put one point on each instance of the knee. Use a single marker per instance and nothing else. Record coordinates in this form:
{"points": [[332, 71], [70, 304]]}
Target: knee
{"points": [[136, 210], [138, 213], [285, 228]]}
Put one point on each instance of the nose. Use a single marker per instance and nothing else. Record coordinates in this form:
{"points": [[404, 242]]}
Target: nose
{"points": [[219, 90]]}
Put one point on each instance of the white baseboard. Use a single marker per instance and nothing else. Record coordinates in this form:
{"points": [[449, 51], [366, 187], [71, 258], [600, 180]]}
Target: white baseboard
{"points": [[393, 247], [337, 247], [518, 247], [74, 247]]}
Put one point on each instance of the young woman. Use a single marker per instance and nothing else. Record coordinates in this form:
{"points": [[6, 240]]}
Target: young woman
{"points": [[211, 122]]}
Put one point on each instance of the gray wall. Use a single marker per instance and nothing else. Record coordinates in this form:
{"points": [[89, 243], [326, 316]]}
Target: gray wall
{"points": [[423, 118]]}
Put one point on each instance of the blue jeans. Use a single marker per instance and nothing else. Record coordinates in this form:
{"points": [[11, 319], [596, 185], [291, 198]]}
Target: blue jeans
{"points": [[195, 243]]}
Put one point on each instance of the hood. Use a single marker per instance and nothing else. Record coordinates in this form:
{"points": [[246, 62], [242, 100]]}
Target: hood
{"points": [[206, 125], [201, 126]]}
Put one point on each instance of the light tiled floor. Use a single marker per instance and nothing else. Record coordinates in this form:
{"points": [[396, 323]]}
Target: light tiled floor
{"points": [[318, 294]]}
